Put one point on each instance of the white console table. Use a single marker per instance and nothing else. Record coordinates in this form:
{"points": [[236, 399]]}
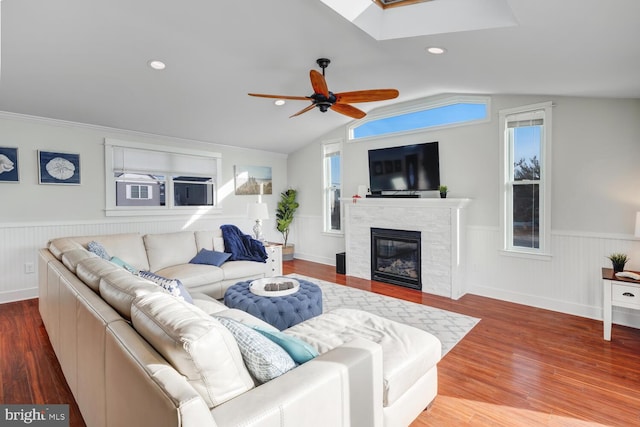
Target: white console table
{"points": [[274, 262], [619, 292]]}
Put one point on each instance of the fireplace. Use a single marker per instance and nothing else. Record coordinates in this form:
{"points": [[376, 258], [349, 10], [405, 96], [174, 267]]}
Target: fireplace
{"points": [[395, 257]]}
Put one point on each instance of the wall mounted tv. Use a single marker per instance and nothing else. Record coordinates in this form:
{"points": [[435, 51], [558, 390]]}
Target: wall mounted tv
{"points": [[407, 168]]}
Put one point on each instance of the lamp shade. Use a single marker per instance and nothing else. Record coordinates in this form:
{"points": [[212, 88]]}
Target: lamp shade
{"points": [[637, 233], [258, 211]]}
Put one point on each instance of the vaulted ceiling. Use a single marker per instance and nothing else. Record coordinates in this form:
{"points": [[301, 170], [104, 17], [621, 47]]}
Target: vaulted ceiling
{"points": [[86, 61]]}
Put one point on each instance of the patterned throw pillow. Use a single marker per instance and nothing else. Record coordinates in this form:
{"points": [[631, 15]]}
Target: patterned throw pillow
{"points": [[208, 257], [173, 286], [264, 359], [300, 351], [98, 249]]}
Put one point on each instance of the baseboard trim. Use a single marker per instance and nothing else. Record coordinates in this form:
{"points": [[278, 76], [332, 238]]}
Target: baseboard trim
{"points": [[13, 296], [621, 316]]}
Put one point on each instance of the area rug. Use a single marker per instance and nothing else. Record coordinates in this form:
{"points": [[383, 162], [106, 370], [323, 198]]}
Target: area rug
{"points": [[449, 327]]}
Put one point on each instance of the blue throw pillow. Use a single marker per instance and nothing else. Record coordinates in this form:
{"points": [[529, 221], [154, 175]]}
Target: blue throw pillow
{"points": [[299, 350], [98, 249], [173, 286], [208, 257], [124, 264]]}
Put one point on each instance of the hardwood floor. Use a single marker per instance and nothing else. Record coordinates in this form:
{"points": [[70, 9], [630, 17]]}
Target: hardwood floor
{"points": [[520, 366]]}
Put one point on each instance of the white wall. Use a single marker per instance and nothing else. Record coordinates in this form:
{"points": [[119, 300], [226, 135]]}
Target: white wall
{"points": [[595, 158], [31, 214]]}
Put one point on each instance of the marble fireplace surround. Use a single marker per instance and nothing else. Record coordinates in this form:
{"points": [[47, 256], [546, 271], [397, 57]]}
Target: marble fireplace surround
{"points": [[442, 226]]}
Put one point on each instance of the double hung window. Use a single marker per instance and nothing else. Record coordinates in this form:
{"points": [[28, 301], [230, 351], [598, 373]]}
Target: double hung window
{"points": [[332, 155], [526, 177]]}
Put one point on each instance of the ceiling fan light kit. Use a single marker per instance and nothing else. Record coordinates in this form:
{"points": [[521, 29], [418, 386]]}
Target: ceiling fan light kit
{"points": [[324, 100]]}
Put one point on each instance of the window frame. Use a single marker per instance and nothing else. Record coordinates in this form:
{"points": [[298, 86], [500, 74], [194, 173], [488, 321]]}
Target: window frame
{"points": [[417, 106], [111, 208], [506, 194], [326, 187]]}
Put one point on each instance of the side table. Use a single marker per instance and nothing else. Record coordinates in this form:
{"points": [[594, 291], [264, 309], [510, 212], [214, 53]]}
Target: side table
{"points": [[274, 262], [619, 292]]}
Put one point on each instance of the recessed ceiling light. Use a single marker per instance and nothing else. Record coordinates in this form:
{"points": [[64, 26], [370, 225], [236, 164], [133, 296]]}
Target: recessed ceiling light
{"points": [[434, 50], [279, 102], [157, 65]]}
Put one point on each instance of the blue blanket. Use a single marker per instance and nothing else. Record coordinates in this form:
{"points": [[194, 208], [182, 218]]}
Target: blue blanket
{"points": [[242, 246]]}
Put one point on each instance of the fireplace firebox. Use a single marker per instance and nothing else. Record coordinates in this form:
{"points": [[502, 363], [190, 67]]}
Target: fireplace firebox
{"points": [[396, 257]]}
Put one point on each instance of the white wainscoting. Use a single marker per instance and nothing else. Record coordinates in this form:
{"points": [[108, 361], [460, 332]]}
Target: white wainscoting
{"points": [[19, 244], [569, 282]]}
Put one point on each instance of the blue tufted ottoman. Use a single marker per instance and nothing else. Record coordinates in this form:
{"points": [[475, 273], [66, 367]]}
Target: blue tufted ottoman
{"points": [[281, 312]]}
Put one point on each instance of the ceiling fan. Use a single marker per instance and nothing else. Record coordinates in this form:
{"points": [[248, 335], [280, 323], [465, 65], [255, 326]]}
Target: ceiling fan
{"points": [[338, 102]]}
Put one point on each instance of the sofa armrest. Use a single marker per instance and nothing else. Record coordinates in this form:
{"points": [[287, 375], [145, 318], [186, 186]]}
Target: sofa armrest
{"points": [[142, 389], [342, 387]]}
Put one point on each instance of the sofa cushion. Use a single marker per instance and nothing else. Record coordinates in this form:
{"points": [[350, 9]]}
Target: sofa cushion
{"points": [[299, 350], [243, 269], [168, 249], [172, 286], [210, 239], [264, 359], [206, 303], [61, 245], [119, 288], [126, 246], [408, 352], [208, 257], [71, 258], [91, 270], [197, 346], [193, 275]]}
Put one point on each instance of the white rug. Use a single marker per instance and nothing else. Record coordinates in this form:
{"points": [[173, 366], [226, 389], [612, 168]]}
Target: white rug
{"points": [[449, 327]]}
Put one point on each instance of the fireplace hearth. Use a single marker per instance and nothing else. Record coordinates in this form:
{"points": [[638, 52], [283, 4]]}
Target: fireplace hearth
{"points": [[396, 257]]}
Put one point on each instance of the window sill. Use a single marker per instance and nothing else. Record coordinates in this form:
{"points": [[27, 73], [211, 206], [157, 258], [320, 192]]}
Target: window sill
{"points": [[333, 233], [538, 256], [200, 211]]}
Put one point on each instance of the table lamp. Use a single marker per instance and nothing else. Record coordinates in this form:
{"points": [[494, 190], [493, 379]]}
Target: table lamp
{"points": [[258, 211]]}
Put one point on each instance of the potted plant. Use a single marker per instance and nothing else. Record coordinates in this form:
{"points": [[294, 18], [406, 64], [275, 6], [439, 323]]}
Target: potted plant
{"points": [[443, 191], [287, 207], [618, 260]]}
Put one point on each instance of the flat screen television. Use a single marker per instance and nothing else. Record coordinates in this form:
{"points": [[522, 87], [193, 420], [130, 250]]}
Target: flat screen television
{"points": [[405, 168]]}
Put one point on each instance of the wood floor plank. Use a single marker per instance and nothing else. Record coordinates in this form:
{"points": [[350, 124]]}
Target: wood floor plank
{"points": [[520, 365]]}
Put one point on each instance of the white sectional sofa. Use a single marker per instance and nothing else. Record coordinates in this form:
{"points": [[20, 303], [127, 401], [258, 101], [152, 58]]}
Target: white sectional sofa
{"points": [[133, 354]]}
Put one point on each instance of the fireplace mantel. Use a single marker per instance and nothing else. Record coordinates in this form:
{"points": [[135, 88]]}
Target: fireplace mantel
{"points": [[441, 223]]}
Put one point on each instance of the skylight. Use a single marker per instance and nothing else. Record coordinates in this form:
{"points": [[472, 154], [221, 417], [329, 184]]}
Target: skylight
{"points": [[419, 18]]}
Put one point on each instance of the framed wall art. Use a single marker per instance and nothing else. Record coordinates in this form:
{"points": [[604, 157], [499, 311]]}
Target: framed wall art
{"points": [[9, 165], [58, 168], [253, 180]]}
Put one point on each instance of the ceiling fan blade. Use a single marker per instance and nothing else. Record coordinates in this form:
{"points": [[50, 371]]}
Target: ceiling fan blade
{"points": [[304, 110], [263, 95], [318, 83], [366, 95], [348, 110]]}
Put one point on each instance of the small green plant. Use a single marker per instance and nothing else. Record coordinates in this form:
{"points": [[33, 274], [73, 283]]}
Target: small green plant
{"points": [[618, 260], [443, 189]]}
